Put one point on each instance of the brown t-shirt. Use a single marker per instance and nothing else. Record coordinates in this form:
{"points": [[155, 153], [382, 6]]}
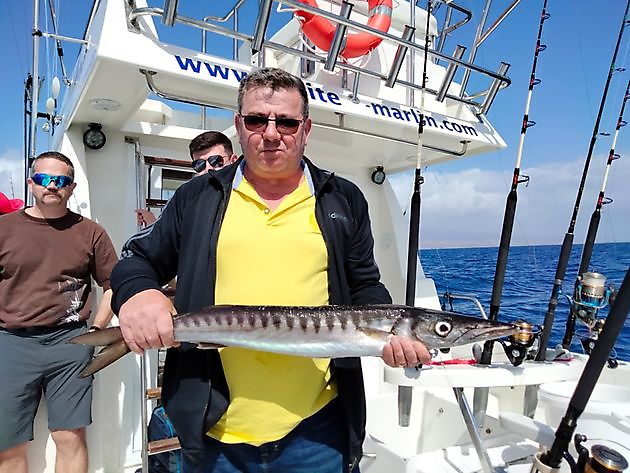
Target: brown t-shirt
{"points": [[45, 268]]}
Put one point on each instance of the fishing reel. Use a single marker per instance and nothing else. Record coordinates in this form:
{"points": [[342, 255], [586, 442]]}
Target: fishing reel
{"points": [[602, 459], [591, 295], [517, 346]]}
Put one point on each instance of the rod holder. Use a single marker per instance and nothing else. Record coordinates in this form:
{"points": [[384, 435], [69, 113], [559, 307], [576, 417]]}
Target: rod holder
{"points": [[404, 405], [261, 25], [170, 12], [494, 89], [355, 88], [338, 38], [407, 35], [450, 73]]}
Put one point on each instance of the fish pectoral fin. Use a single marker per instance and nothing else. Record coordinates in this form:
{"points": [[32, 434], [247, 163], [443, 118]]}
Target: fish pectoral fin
{"points": [[105, 357], [374, 333], [209, 346]]}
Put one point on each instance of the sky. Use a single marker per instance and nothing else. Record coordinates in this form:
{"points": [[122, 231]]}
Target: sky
{"points": [[462, 201]]}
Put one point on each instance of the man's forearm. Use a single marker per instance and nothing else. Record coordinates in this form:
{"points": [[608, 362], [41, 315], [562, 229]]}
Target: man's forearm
{"points": [[104, 313]]}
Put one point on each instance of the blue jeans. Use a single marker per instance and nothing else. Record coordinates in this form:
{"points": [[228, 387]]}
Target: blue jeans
{"points": [[316, 445]]}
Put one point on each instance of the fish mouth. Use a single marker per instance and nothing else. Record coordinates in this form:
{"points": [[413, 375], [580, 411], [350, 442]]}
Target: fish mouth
{"points": [[476, 333]]}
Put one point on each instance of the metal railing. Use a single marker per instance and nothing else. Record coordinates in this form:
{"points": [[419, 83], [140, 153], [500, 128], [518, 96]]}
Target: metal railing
{"points": [[258, 43]]}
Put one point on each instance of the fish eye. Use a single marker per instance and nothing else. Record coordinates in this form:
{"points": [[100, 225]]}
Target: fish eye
{"points": [[443, 328]]}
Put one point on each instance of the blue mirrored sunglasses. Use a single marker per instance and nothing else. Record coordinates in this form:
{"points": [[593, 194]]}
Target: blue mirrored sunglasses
{"points": [[42, 179]]}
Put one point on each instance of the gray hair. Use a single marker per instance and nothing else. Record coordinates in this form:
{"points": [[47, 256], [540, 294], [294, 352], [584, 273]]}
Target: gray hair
{"points": [[274, 79]]}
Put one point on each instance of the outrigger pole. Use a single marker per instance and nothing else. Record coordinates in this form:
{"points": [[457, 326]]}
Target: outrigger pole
{"points": [[588, 379], [567, 243], [593, 226], [510, 205], [405, 392]]}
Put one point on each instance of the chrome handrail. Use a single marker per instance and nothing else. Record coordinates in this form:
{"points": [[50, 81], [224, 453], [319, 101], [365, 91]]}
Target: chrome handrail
{"points": [[447, 28], [469, 67], [396, 40]]}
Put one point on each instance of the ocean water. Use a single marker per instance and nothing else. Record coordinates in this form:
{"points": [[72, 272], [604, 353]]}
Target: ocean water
{"points": [[528, 282]]}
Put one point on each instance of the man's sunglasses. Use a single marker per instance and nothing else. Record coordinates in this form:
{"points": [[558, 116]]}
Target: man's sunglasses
{"points": [[215, 161], [285, 126], [42, 179]]}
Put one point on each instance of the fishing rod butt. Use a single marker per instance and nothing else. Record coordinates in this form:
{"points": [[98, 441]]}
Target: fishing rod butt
{"points": [[539, 467]]}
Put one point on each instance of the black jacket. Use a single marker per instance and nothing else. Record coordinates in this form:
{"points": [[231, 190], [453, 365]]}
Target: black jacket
{"points": [[183, 242]]}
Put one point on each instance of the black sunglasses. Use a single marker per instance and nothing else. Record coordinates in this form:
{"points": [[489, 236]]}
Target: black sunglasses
{"points": [[285, 126], [215, 161]]}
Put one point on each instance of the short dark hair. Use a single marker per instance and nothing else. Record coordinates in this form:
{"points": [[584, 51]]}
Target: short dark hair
{"points": [[274, 79], [209, 139], [54, 155]]}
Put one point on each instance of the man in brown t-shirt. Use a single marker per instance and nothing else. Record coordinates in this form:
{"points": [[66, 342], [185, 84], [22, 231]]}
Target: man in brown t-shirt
{"points": [[48, 255]]}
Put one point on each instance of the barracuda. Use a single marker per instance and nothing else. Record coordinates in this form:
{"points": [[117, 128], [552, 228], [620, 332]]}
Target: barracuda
{"points": [[317, 332]]}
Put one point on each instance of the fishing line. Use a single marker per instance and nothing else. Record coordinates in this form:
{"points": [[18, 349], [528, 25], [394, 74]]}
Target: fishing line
{"points": [[583, 61], [567, 243], [15, 38]]}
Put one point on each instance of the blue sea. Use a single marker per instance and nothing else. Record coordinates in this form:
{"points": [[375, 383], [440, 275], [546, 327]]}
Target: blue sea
{"points": [[528, 282]]}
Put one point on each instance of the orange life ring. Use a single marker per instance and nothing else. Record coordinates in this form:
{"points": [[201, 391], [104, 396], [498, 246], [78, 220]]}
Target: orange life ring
{"points": [[321, 31]]}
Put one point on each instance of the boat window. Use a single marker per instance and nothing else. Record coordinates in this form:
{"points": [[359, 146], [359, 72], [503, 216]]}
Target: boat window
{"points": [[171, 180]]}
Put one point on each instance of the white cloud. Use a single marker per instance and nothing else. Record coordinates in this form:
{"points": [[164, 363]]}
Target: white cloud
{"points": [[465, 208], [11, 173]]}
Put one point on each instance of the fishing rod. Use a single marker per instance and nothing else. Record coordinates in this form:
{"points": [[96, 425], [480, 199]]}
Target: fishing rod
{"points": [[516, 352], [510, 205], [567, 242], [593, 226], [480, 396], [585, 385], [414, 219], [405, 392]]}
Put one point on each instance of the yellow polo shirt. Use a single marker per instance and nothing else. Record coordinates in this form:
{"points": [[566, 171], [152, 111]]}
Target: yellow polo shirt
{"points": [[267, 257]]}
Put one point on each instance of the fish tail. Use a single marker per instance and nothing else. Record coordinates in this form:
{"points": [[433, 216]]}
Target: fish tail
{"points": [[114, 347]]}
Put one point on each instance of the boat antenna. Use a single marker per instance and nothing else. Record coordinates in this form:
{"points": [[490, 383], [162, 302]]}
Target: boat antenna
{"points": [[593, 226], [34, 95], [510, 204], [590, 375], [567, 243], [414, 219]]}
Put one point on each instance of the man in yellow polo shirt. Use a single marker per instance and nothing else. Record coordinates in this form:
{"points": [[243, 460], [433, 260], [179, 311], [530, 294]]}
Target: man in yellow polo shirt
{"points": [[272, 229]]}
